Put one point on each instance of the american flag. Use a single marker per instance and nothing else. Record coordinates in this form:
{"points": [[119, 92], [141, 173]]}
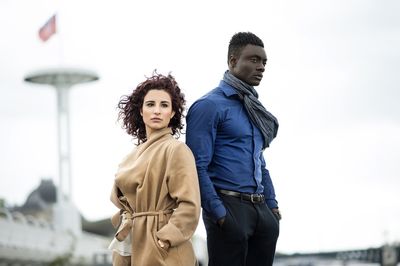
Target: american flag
{"points": [[48, 29]]}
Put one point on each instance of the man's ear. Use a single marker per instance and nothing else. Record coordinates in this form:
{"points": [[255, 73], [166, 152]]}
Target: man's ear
{"points": [[232, 61]]}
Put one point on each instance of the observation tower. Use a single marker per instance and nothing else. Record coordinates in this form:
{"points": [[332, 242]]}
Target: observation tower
{"points": [[62, 80]]}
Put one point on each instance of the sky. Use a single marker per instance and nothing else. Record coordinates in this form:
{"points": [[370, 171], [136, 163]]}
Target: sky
{"points": [[331, 80]]}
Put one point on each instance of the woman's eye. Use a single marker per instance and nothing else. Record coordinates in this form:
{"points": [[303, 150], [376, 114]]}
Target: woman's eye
{"points": [[149, 104]]}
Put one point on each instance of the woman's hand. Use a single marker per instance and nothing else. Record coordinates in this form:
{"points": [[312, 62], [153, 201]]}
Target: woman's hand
{"points": [[164, 245]]}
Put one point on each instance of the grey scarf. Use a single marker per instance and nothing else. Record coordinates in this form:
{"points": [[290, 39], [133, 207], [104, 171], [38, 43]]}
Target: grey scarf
{"points": [[264, 120]]}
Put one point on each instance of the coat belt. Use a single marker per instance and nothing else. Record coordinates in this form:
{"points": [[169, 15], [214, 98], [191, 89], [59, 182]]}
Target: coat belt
{"points": [[127, 221]]}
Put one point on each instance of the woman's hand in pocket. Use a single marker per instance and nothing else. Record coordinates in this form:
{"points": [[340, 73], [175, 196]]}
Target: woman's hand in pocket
{"points": [[163, 244]]}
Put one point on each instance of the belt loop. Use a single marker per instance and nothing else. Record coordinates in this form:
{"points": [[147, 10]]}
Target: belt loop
{"points": [[252, 198]]}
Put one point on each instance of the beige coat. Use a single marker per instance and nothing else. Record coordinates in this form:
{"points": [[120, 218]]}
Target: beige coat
{"points": [[156, 187]]}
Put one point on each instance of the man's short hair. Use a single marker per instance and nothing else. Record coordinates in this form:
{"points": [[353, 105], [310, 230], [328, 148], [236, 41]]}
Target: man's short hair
{"points": [[240, 40]]}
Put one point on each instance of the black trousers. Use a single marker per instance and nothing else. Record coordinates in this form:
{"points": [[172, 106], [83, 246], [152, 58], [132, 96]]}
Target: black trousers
{"points": [[247, 238]]}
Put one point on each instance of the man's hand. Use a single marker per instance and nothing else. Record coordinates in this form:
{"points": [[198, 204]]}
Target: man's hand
{"points": [[221, 221], [277, 213]]}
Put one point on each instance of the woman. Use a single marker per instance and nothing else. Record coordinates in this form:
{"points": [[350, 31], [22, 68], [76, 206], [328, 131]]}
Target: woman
{"points": [[156, 185]]}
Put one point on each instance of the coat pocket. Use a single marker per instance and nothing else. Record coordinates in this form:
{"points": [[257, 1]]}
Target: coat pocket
{"points": [[161, 251]]}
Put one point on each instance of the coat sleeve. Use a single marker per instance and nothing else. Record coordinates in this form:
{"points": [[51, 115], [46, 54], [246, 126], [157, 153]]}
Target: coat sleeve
{"points": [[183, 187], [115, 219]]}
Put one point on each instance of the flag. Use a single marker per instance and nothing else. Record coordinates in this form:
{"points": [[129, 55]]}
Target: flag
{"points": [[48, 29]]}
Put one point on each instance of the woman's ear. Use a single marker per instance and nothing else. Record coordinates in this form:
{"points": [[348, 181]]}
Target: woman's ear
{"points": [[172, 115]]}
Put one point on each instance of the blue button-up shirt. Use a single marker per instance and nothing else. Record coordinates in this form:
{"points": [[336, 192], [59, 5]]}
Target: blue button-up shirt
{"points": [[228, 149]]}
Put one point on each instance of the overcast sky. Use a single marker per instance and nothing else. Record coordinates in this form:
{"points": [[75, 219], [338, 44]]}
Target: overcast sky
{"points": [[332, 81]]}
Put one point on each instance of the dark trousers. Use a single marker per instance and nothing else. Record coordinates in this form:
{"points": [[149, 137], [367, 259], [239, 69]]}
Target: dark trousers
{"points": [[247, 238]]}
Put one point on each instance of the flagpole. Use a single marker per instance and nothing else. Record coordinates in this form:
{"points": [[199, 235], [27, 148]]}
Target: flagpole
{"points": [[60, 32], [60, 38]]}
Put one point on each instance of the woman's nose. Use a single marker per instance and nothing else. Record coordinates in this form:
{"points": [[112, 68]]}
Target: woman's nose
{"points": [[156, 110]]}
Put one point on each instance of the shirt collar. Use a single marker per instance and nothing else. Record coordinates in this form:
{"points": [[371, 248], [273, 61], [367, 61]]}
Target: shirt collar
{"points": [[227, 89]]}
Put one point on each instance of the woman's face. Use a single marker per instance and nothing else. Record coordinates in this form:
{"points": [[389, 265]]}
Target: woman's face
{"points": [[156, 110]]}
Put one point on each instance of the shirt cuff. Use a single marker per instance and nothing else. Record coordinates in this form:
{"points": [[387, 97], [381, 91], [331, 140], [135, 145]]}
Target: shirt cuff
{"points": [[271, 203], [219, 212]]}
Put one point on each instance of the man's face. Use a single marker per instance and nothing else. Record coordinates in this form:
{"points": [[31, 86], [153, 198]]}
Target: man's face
{"points": [[250, 64]]}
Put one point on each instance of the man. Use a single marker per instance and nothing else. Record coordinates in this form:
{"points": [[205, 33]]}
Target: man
{"points": [[227, 131]]}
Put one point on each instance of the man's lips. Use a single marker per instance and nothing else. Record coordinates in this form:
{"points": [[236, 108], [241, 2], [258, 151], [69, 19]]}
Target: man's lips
{"points": [[259, 77]]}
